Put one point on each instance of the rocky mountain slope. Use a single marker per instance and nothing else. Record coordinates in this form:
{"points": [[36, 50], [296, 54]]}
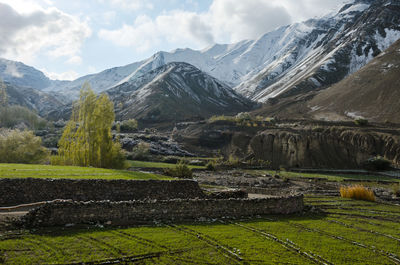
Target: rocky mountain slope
{"points": [[330, 48], [33, 99], [372, 93], [175, 92]]}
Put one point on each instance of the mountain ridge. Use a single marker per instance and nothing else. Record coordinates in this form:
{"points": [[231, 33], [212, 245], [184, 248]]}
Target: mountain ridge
{"points": [[291, 59], [175, 91]]}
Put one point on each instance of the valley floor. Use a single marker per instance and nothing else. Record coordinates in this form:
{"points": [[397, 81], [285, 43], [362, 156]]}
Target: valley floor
{"points": [[333, 231]]}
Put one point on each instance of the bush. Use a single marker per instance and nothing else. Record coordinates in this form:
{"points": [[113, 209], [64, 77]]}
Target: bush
{"points": [[141, 152], [128, 125], [243, 119], [258, 163], [13, 116], [357, 192], [396, 190], [210, 166], [377, 163], [181, 170], [21, 147], [361, 122], [170, 159]]}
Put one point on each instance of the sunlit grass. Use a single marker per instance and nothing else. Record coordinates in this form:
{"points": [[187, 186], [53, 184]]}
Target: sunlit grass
{"points": [[331, 177], [70, 172], [145, 164]]}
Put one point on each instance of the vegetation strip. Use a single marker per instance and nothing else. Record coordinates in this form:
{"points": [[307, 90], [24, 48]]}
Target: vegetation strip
{"points": [[394, 258], [100, 242], [363, 230], [50, 249], [363, 210], [362, 221], [289, 245], [140, 240], [124, 259], [366, 216], [227, 252], [11, 235]]}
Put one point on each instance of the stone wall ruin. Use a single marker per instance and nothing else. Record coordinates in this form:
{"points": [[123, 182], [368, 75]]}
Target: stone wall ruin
{"points": [[151, 211]]}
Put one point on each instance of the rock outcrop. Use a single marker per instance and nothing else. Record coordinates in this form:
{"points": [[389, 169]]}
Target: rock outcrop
{"points": [[330, 148], [298, 144]]}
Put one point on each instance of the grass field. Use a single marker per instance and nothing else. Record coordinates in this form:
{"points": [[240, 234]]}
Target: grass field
{"points": [[44, 171], [331, 177], [349, 232], [143, 164]]}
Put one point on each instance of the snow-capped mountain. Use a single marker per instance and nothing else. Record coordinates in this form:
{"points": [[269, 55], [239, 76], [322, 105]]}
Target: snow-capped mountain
{"points": [[175, 92], [19, 74], [376, 84], [289, 60], [333, 47], [99, 82]]}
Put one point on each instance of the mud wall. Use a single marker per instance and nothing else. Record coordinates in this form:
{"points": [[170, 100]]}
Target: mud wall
{"points": [[29, 190]]}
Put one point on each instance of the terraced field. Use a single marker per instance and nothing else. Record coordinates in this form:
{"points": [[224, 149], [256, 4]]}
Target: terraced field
{"points": [[145, 164], [346, 232], [43, 171], [329, 177]]}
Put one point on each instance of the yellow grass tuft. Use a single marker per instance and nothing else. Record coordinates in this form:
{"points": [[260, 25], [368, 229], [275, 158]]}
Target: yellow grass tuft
{"points": [[357, 192]]}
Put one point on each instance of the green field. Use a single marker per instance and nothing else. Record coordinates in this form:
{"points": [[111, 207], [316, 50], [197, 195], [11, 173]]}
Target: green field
{"points": [[144, 164], [349, 232], [45, 171], [330, 177]]}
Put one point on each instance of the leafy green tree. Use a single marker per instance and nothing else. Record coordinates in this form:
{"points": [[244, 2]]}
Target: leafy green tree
{"points": [[87, 138], [21, 147], [3, 94], [130, 125], [3, 104]]}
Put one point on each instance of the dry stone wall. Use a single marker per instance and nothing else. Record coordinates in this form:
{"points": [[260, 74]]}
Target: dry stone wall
{"points": [[150, 211], [29, 190]]}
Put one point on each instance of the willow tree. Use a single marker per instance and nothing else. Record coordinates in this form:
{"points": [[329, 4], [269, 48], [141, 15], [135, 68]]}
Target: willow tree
{"points": [[3, 105], [87, 138]]}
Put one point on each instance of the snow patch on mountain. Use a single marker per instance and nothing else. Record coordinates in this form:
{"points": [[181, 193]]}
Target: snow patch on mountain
{"points": [[11, 69], [385, 41], [356, 8]]}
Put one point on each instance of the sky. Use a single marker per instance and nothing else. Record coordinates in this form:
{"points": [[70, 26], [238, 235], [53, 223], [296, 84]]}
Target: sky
{"points": [[67, 39]]}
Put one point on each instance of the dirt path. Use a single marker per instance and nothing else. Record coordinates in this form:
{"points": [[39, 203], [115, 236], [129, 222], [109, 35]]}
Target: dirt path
{"points": [[258, 196]]}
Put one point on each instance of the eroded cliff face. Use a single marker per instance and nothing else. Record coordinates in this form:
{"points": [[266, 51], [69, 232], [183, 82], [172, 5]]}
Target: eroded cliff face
{"points": [[331, 148], [307, 145]]}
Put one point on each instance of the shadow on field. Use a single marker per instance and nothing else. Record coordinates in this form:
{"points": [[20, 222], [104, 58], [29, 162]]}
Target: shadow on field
{"points": [[77, 230]]}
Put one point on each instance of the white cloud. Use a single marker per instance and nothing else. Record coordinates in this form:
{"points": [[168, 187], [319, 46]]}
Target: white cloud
{"points": [[131, 4], [68, 75], [174, 27], [23, 34], [225, 21], [108, 17], [246, 19], [304, 9], [92, 69], [77, 60], [11, 69]]}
